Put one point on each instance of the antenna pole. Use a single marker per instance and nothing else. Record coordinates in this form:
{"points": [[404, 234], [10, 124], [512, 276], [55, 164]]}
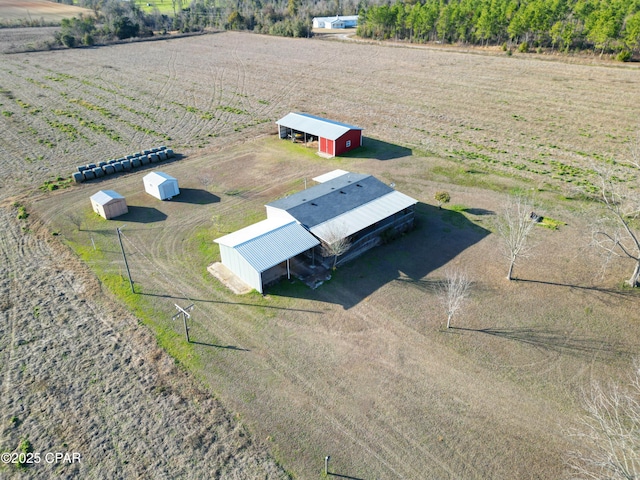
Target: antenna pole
{"points": [[125, 260]]}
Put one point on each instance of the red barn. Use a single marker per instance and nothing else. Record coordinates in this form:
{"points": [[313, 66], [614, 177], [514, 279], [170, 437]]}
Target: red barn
{"points": [[334, 138]]}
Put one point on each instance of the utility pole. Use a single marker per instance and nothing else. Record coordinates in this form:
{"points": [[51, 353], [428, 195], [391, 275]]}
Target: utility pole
{"points": [[125, 258], [185, 315], [326, 465]]}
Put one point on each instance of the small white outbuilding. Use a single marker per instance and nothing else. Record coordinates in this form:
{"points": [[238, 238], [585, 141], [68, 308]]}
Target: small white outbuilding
{"points": [[109, 204], [161, 185]]}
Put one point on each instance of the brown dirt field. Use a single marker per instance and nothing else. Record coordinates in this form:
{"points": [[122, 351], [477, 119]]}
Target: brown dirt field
{"points": [[25, 39], [360, 368], [15, 10]]}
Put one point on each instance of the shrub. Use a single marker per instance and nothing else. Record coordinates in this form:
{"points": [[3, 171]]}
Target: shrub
{"points": [[442, 197], [69, 41], [624, 56], [523, 47]]}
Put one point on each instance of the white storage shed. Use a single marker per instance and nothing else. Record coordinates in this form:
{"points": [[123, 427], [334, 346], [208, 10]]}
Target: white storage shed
{"points": [[260, 253], [108, 204], [161, 185]]}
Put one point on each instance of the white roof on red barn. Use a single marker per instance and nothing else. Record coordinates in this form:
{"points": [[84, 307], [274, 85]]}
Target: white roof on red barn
{"points": [[103, 197], [318, 126], [269, 242]]}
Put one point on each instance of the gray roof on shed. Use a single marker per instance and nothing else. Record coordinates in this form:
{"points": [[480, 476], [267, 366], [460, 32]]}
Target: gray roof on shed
{"points": [[269, 242], [103, 197], [333, 198], [318, 126]]}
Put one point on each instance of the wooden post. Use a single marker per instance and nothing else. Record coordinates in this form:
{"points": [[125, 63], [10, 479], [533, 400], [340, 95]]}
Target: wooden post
{"points": [[184, 313], [125, 260]]}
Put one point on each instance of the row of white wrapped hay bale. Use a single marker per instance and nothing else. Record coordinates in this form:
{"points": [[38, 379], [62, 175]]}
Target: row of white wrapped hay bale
{"points": [[124, 164]]}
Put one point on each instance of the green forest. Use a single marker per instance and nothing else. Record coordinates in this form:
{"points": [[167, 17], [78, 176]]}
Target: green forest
{"points": [[609, 27], [606, 26]]}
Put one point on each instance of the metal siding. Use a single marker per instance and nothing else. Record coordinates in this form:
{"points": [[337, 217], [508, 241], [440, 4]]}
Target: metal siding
{"points": [[271, 247], [277, 246], [360, 218], [278, 214], [240, 267], [341, 143], [323, 145]]}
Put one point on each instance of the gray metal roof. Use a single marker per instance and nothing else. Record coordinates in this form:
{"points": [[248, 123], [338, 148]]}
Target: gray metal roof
{"points": [[332, 198], [361, 217], [269, 242], [103, 197], [318, 126]]}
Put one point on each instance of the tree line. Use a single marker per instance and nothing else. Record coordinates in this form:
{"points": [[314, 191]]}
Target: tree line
{"points": [[607, 26], [117, 19]]}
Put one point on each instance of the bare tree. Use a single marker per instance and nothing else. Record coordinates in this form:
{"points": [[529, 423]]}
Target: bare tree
{"points": [[453, 291], [610, 434], [335, 243], [617, 231], [514, 224]]}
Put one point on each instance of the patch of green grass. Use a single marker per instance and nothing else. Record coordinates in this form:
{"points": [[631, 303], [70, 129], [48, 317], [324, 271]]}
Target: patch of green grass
{"points": [[234, 192], [165, 7], [22, 211], [59, 182], [228, 109], [551, 223], [7, 113], [458, 208], [145, 309]]}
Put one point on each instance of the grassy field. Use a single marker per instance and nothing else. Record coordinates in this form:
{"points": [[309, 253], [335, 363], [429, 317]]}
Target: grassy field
{"points": [[165, 7], [361, 368]]}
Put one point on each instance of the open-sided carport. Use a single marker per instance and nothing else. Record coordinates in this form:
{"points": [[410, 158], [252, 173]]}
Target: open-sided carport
{"points": [[334, 138]]}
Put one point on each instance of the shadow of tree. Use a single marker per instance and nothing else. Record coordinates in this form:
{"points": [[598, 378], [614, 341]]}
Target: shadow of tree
{"points": [[557, 341], [479, 211], [343, 476], [626, 293]]}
